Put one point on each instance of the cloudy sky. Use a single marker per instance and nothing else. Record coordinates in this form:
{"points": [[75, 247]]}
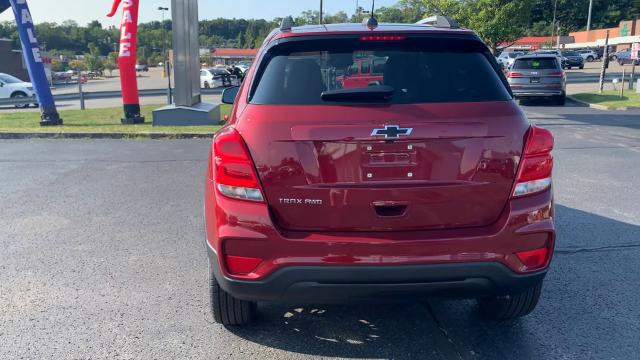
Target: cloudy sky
{"points": [[84, 11]]}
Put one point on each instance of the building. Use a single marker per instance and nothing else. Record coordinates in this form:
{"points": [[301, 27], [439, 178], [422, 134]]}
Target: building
{"points": [[11, 61], [533, 43], [224, 56], [627, 33]]}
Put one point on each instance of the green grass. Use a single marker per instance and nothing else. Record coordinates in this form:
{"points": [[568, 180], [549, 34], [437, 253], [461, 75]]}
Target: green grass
{"points": [[611, 99], [97, 121]]}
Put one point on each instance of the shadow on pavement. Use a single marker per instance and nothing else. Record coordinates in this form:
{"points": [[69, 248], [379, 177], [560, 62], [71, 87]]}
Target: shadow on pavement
{"points": [[573, 298]]}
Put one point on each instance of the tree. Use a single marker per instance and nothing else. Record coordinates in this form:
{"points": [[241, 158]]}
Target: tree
{"points": [[57, 65], [78, 64], [111, 63]]}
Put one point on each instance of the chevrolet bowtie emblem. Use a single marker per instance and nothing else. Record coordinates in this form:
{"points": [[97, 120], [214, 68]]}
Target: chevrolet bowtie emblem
{"points": [[392, 132]]}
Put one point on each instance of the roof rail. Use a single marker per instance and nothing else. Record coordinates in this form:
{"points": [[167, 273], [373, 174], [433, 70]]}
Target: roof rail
{"points": [[287, 23], [439, 21]]}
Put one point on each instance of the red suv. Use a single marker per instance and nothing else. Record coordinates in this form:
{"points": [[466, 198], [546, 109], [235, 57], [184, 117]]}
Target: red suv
{"points": [[430, 182]]}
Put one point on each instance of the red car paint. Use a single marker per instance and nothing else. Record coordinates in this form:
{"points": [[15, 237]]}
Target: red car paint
{"points": [[443, 195]]}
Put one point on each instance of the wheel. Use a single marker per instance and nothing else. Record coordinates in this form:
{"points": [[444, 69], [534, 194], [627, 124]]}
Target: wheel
{"points": [[613, 57], [226, 309], [20, 95], [206, 85], [560, 100], [590, 58], [620, 62], [581, 67], [511, 306]]}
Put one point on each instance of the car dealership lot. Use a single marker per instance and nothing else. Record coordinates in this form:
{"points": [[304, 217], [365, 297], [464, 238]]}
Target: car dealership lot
{"points": [[102, 256]]}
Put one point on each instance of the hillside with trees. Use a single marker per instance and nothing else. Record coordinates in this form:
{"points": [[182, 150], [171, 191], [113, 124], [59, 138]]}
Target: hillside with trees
{"points": [[496, 21]]}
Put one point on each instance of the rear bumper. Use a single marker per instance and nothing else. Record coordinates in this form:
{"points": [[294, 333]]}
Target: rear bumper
{"points": [[537, 93], [322, 284]]}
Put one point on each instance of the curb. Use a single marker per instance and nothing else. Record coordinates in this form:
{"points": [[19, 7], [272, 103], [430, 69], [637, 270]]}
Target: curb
{"points": [[602, 107], [89, 135]]}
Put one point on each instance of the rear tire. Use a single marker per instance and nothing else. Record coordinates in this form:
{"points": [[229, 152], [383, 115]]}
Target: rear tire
{"points": [[560, 100], [226, 309], [511, 306], [590, 58], [206, 85], [581, 67], [20, 95]]}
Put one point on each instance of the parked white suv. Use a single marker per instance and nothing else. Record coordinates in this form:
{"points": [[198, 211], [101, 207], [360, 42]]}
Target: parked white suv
{"points": [[588, 55], [506, 58], [14, 88]]}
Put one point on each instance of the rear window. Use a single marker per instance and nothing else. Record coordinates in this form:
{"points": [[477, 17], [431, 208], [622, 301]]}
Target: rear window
{"points": [[535, 64], [419, 71]]}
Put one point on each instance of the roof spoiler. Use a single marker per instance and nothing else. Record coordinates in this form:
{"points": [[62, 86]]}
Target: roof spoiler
{"points": [[287, 23], [439, 21]]}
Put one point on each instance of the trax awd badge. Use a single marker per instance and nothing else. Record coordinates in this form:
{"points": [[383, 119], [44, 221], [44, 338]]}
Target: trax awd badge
{"points": [[392, 132], [300, 201]]}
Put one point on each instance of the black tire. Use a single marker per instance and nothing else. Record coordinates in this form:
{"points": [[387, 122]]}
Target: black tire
{"points": [[560, 100], [620, 62], [581, 67], [226, 309], [19, 95], [590, 58], [206, 85], [511, 306]]}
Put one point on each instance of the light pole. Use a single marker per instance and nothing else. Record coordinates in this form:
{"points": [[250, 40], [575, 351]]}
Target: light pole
{"points": [[553, 23], [589, 18], [321, 12], [165, 59]]}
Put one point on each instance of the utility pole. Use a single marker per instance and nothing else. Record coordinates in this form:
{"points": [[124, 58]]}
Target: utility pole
{"points": [[321, 13], [605, 61], [589, 18], [166, 65], [553, 23]]}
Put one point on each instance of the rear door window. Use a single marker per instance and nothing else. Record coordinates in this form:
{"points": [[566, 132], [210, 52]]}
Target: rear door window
{"points": [[535, 64], [419, 71]]}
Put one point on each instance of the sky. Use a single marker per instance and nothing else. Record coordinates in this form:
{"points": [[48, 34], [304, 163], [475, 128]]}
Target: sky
{"points": [[84, 11]]}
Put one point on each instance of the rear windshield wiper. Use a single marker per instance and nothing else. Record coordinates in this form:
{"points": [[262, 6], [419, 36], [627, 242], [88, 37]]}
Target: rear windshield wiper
{"points": [[374, 92]]}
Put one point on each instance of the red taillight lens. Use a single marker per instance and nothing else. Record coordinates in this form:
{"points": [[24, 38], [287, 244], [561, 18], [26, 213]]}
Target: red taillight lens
{"points": [[537, 163], [238, 265], [555, 74], [382, 38], [235, 175], [513, 74], [534, 259]]}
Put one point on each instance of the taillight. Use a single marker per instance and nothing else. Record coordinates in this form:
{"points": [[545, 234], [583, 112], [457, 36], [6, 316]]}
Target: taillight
{"points": [[555, 74], [536, 164], [534, 259], [235, 175], [513, 74], [239, 265]]}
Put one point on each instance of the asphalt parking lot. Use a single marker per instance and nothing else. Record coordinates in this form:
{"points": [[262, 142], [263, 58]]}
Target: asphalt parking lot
{"points": [[101, 257]]}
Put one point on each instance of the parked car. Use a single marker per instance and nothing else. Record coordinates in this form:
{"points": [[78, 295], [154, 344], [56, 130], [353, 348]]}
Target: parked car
{"points": [[216, 77], [506, 58], [571, 59], [364, 72], [244, 65], [142, 68], [589, 55], [538, 76], [431, 183], [624, 57], [13, 88]]}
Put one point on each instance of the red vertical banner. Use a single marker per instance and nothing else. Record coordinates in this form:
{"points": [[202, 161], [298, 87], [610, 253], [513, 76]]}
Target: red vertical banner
{"points": [[127, 59]]}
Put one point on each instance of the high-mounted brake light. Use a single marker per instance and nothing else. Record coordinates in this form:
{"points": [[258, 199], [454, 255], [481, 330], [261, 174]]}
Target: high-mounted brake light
{"points": [[382, 38], [235, 175], [537, 163]]}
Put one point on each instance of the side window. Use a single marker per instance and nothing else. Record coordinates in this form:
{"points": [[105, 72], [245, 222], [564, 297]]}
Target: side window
{"points": [[366, 67], [378, 66], [353, 69]]}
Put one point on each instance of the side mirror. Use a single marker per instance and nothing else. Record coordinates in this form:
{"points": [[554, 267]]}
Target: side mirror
{"points": [[229, 94]]}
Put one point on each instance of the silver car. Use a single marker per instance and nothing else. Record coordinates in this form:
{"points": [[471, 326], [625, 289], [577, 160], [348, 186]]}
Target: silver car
{"points": [[538, 76]]}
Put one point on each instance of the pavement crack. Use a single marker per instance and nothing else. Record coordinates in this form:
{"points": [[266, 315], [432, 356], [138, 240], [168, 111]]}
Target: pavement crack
{"points": [[447, 346], [596, 249]]}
